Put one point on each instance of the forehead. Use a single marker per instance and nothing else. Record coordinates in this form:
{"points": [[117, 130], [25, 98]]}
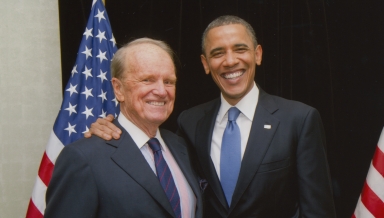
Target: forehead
{"points": [[228, 34], [148, 58]]}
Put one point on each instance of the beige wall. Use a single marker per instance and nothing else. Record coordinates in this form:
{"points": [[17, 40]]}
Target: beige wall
{"points": [[30, 95]]}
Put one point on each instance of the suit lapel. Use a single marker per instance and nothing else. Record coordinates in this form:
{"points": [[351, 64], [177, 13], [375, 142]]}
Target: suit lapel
{"points": [[258, 143], [132, 161], [204, 130]]}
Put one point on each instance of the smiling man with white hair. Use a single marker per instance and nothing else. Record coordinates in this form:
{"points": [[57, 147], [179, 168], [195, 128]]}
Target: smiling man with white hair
{"points": [[145, 173]]}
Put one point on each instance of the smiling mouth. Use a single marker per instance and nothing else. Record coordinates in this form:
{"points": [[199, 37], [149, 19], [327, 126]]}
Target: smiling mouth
{"points": [[156, 103], [232, 75]]}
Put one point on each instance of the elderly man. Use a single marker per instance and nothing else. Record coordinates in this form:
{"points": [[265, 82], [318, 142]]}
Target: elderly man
{"points": [[262, 155], [145, 173]]}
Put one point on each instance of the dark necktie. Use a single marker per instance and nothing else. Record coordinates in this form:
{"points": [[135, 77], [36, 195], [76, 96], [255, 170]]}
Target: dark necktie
{"points": [[230, 158], [165, 177]]}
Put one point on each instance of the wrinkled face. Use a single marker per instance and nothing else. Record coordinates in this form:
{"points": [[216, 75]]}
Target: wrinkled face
{"points": [[231, 58], [147, 90]]}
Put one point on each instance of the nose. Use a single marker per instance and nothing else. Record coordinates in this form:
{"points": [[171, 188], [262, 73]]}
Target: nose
{"points": [[159, 89], [230, 59]]}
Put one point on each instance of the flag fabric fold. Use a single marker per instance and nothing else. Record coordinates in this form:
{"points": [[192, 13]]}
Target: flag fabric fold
{"points": [[371, 200], [88, 96]]}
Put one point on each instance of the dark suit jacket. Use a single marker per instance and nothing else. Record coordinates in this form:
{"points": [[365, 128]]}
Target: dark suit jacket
{"points": [[284, 171], [97, 178]]}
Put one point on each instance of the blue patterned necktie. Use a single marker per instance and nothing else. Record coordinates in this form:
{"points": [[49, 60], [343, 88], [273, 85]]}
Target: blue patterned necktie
{"points": [[165, 176], [230, 158]]}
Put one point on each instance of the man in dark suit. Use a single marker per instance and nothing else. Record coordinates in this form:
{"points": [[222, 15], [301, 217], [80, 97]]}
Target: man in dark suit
{"points": [[262, 155], [145, 173]]}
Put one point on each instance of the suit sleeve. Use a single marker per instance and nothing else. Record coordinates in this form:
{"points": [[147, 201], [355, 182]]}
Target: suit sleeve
{"points": [[316, 199], [72, 190]]}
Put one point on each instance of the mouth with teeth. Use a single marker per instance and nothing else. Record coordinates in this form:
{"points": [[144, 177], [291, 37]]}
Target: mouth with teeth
{"points": [[232, 75], [156, 103]]}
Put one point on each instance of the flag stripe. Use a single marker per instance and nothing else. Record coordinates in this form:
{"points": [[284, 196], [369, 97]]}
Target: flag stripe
{"points": [[375, 182], [361, 211], [372, 202], [33, 211], [38, 195], [378, 161], [381, 141], [46, 169], [54, 147]]}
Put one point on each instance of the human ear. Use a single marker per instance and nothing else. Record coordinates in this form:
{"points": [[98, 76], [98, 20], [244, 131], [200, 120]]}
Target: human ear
{"points": [[258, 54], [118, 89], [205, 64]]}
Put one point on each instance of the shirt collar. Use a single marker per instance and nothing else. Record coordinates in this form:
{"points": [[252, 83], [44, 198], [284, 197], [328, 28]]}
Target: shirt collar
{"points": [[247, 105], [138, 136]]}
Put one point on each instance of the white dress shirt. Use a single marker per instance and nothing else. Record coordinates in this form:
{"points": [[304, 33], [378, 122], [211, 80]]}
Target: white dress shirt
{"points": [[187, 197], [247, 107]]}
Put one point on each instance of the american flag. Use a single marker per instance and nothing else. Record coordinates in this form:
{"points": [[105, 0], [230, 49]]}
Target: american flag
{"points": [[88, 95], [371, 200]]}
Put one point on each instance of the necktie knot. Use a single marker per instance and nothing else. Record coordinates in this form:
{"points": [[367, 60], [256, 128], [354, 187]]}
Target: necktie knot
{"points": [[233, 113], [154, 144]]}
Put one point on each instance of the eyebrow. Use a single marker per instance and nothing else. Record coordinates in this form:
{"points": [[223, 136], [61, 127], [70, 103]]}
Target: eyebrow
{"points": [[239, 45]]}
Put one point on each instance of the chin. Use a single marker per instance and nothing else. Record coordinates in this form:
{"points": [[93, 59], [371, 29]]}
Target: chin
{"points": [[158, 120], [234, 94]]}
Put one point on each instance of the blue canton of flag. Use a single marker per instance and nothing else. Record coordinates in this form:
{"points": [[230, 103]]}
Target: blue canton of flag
{"points": [[89, 94]]}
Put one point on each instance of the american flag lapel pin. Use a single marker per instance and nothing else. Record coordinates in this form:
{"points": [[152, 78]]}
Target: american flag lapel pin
{"points": [[267, 126]]}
